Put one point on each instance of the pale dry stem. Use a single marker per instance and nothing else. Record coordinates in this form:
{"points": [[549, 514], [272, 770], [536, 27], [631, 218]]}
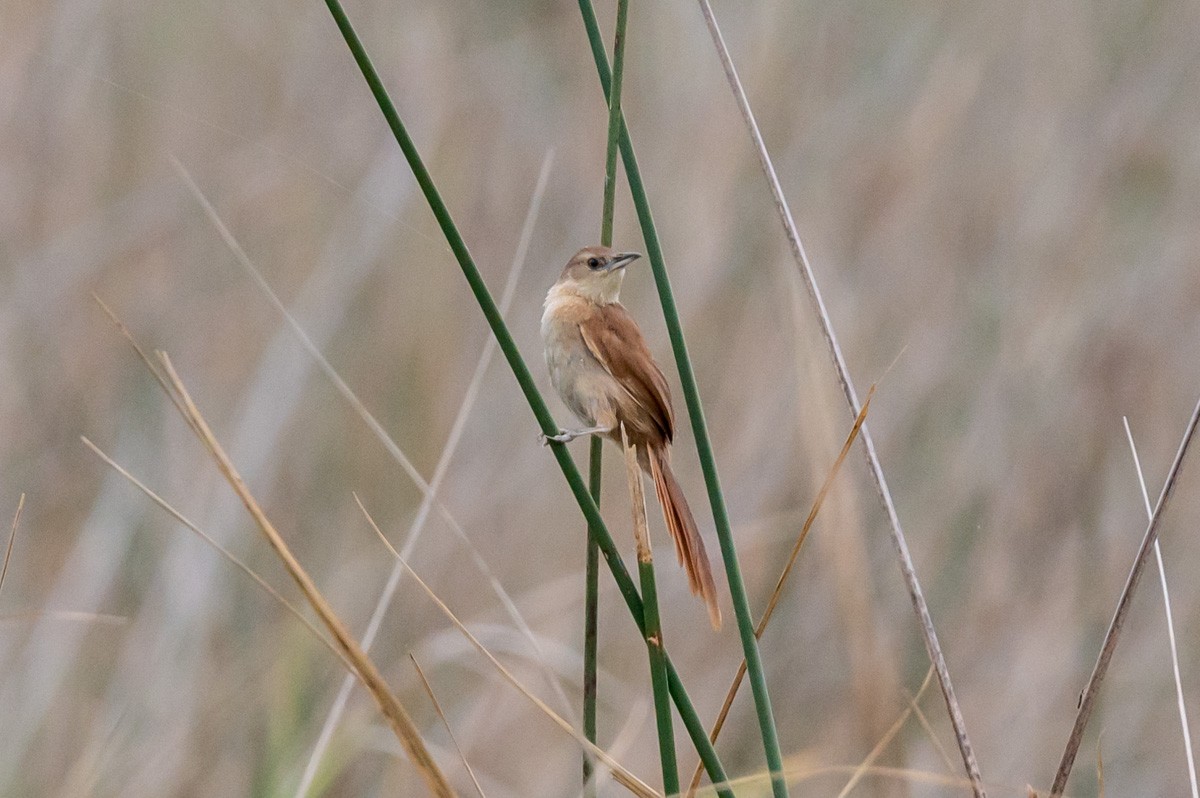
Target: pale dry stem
{"points": [[12, 537], [637, 497], [719, 723], [224, 552], [1088, 698], [620, 773], [437, 707], [887, 738], [907, 568], [398, 719], [1162, 576]]}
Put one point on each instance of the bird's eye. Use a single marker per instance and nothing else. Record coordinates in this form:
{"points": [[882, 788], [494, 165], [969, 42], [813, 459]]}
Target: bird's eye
{"points": [[593, 263]]}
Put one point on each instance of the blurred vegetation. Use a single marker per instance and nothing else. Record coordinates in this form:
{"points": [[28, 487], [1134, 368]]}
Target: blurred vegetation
{"points": [[1000, 199]]}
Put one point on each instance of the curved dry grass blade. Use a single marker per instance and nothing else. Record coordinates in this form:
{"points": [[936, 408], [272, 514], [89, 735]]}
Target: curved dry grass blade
{"points": [[1088, 699], [428, 489], [887, 738], [933, 738], [719, 723], [402, 725], [932, 646], [623, 776], [147, 361], [622, 741], [437, 707], [224, 552], [1162, 576], [12, 537], [797, 775]]}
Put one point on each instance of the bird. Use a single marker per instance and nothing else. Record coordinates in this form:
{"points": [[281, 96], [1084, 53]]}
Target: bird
{"points": [[600, 365]]}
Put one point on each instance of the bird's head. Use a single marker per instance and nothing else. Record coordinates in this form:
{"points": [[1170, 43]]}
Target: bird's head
{"points": [[595, 273]]}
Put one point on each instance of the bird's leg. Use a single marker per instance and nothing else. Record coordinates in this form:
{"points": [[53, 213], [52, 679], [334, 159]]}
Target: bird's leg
{"points": [[568, 435]]}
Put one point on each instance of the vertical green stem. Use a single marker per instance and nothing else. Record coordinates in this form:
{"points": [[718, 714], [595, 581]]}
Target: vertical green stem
{"points": [[591, 622], [652, 626], [533, 397], [614, 125], [591, 601], [658, 677], [737, 589]]}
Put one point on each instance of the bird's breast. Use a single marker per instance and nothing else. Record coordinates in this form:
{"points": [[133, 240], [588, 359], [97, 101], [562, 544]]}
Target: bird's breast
{"points": [[582, 382]]}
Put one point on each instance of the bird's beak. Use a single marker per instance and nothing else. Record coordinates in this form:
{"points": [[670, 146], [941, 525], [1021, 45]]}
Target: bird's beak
{"points": [[622, 260]]}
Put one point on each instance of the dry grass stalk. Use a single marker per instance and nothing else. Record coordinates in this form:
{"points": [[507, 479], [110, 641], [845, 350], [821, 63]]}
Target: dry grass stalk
{"points": [[620, 773], [798, 774], [401, 724], [887, 738], [224, 552], [1087, 701], [719, 723], [1162, 576], [429, 489], [437, 707], [932, 646], [637, 499], [12, 536], [933, 738]]}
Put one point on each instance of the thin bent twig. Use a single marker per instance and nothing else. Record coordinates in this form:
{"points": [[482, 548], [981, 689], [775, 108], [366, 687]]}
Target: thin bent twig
{"points": [[1088, 700], [932, 646]]}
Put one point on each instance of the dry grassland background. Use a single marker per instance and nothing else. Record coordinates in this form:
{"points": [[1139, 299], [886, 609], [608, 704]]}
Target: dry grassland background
{"points": [[1001, 198]]}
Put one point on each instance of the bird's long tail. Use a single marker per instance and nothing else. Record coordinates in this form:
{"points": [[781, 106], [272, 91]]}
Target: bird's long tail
{"points": [[689, 547]]}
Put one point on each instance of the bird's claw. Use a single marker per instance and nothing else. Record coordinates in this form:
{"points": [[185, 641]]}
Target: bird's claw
{"points": [[561, 437]]}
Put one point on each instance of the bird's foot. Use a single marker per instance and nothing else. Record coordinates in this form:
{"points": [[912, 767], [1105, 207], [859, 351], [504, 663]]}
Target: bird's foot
{"points": [[565, 436]]}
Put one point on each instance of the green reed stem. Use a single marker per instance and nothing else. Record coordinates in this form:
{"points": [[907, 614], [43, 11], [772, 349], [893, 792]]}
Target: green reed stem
{"points": [[537, 404], [653, 628], [737, 588], [591, 618], [614, 125], [592, 589], [658, 678]]}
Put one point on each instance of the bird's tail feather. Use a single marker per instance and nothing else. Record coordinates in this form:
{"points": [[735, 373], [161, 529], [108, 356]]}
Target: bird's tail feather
{"points": [[689, 547]]}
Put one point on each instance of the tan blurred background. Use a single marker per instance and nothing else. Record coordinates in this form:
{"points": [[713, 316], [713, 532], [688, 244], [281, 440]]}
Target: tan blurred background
{"points": [[1001, 198]]}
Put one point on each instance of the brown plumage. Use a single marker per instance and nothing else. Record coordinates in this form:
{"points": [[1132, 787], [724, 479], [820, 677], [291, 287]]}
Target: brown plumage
{"points": [[600, 365]]}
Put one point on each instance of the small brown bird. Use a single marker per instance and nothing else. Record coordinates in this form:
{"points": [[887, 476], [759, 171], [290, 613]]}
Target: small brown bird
{"points": [[603, 370]]}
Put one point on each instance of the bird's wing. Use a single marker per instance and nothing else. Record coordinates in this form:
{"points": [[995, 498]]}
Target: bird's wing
{"points": [[613, 338]]}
